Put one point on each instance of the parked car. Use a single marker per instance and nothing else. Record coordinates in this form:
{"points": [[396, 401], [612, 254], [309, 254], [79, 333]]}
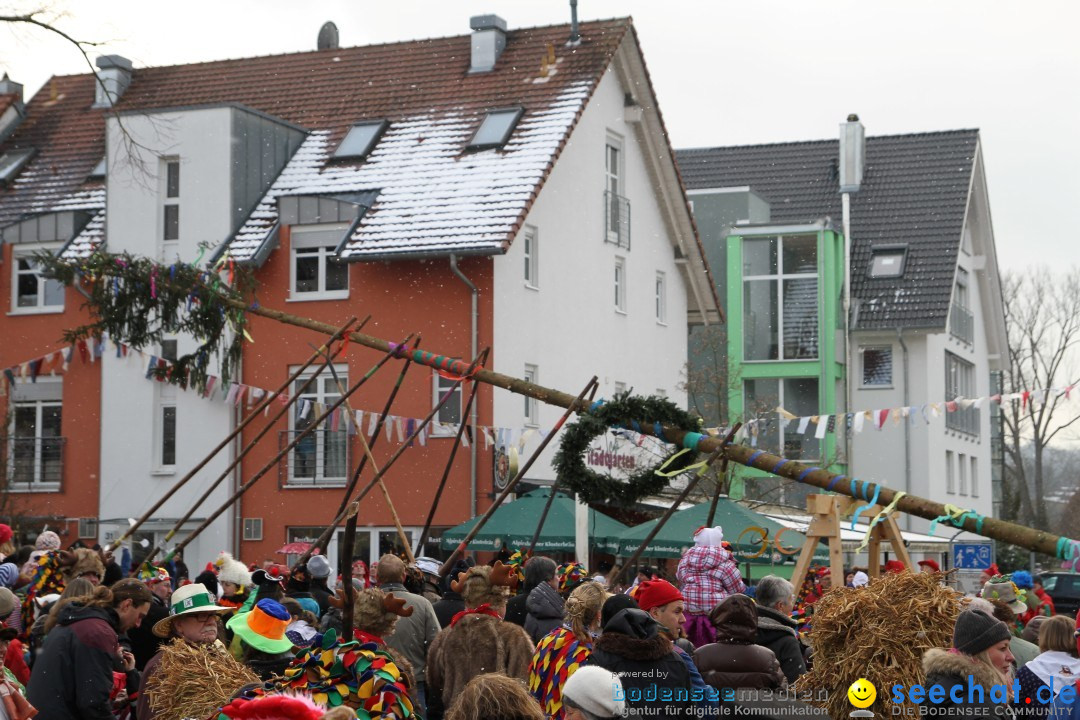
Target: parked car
{"points": [[1064, 589]]}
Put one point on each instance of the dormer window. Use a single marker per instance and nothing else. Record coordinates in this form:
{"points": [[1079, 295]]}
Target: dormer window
{"points": [[361, 140], [12, 162], [888, 262], [495, 130], [99, 170]]}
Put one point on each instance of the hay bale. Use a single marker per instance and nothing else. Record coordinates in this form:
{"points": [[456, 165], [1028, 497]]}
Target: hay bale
{"points": [[880, 633], [195, 680]]}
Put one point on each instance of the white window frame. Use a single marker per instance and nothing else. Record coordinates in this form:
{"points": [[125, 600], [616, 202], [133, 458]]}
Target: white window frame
{"points": [[324, 254], [862, 367], [530, 242], [253, 529], [962, 471], [974, 476], [170, 248], [165, 397], [950, 477], [36, 485], [620, 387], [779, 277], [24, 252], [315, 392], [440, 427], [614, 174], [532, 407], [661, 298], [620, 285]]}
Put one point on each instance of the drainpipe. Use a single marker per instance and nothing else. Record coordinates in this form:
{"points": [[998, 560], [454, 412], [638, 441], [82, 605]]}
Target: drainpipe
{"points": [[850, 374], [473, 350], [907, 422]]}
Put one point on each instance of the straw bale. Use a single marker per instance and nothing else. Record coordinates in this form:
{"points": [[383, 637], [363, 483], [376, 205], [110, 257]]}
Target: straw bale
{"points": [[878, 632], [195, 680]]}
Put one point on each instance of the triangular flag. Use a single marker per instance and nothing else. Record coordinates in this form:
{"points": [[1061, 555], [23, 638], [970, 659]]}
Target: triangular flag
{"points": [[465, 438], [388, 426], [883, 415], [804, 423], [822, 426], [858, 422]]}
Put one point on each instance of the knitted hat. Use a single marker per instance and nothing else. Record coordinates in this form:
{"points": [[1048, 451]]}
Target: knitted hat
{"points": [[7, 602], [47, 540], [861, 579], [594, 690], [654, 593], [708, 536], [571, 575], [318, 566], [232, 570], [5, 533], [976, 631], [932, 564], [9, 574], [1001, 587], [1031, 630], [264, 627]]}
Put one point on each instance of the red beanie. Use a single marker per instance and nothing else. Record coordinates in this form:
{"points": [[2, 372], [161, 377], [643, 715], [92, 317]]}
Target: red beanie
{"points": [[5, 533], [654, 593], [894, 566], [932, 564]]}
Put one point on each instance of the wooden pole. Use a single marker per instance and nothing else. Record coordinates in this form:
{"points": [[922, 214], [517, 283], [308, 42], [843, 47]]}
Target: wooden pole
{"points": [[293, 397], [513, 483], [224, 443], [280, 454], [346, 576], [323, 540], [446, 470], [1029, 538]]}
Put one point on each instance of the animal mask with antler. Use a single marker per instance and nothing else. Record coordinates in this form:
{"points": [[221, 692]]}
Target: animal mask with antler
{"points": [[377, 612], [489, 585]]}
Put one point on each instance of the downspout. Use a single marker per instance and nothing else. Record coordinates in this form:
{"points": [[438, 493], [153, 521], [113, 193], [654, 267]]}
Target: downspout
{"points": [[474, 337], [907, 422], [848, 372]]}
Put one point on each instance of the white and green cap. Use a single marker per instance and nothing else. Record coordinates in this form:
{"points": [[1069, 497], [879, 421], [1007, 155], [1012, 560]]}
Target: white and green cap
{"points": [[193, 598]]}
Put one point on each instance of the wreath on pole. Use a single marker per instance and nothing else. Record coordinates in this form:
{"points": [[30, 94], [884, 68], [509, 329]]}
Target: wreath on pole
{"points": [[625, 412]]}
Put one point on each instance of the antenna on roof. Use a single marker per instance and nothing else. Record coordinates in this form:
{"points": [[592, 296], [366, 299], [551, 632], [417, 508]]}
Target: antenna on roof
{"points": [[328, 37], [575, 35]]}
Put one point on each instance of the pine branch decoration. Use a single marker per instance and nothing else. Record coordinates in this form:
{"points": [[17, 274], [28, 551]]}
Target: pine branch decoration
{"points": [[141, 302]]}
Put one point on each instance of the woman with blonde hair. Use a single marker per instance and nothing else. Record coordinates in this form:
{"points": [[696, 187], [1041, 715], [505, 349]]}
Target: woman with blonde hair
{"points": [[979, 655], [494, 696], [564, 649], [1055, 667]]}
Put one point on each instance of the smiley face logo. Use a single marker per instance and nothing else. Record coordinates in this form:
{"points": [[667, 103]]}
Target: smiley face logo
{"points": [[862, 693]]}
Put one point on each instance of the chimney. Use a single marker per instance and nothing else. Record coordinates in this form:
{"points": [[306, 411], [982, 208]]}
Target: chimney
{"points": [[114, 73], [10, 118], [328, 37], [488, 42], [852, 154]]}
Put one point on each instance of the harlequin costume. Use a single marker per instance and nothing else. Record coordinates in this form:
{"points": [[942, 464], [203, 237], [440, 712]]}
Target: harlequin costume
{"points": [[558, 655]]}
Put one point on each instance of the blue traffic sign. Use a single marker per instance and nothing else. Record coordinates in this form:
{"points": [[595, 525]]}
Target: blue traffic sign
{"points": [[972, 556]]}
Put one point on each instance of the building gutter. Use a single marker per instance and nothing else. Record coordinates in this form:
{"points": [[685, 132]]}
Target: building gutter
{"points": [[474, 342], [907, 421]]}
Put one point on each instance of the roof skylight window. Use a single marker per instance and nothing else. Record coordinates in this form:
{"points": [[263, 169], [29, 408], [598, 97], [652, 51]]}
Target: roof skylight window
{"points": [[99, 169], [888, 262], [495, 130], [361, 140], [12, 162]]}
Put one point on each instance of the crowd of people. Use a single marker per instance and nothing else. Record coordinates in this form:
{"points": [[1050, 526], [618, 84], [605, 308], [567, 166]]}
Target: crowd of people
{"points": [[528, 638]]}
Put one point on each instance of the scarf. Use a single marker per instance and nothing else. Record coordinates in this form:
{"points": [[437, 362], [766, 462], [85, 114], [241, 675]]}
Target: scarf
{"points": [[484, 609], [1056, 669], [366, 637]]}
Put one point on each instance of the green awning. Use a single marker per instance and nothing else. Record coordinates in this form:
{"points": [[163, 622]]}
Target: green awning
{"points": [[513, 525], [739, 525]]}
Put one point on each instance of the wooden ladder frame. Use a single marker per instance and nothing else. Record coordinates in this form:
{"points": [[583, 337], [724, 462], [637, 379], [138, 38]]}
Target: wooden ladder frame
{"points": [[825, 512]]}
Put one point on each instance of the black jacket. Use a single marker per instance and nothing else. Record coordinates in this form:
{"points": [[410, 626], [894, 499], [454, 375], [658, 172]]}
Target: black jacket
{"points": [[144, 643], [452, 603], [322, 594], [516, 612], [780, 634], [73, 675], [652, 674]]}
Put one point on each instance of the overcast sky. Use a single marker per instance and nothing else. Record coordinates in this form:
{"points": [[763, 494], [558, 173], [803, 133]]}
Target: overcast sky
{"points": [[726, 73]]}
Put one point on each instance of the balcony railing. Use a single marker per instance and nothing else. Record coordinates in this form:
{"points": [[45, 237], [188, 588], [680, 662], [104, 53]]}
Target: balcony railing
{"points": [[616, 219], [320, 458], [33, 462], [965, 420], [961, 323]]}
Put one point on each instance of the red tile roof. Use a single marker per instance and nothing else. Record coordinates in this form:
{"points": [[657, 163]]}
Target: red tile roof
{"points": [[7, 100], [422, 87]]}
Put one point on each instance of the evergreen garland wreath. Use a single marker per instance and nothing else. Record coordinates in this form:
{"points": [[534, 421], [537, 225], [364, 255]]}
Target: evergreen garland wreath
{"points": [[575, 475], [140, 302]]}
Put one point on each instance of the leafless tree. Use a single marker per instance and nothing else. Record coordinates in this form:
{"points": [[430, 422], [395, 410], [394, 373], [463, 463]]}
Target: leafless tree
{"points": [[1042, 316]]}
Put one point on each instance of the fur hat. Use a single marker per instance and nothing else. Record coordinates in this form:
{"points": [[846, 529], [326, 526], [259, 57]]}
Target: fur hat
{"points": [[976, 631], [232, 570], [483, 584], [84, 562], [377, 612], [594, 690], [708, 536]]}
